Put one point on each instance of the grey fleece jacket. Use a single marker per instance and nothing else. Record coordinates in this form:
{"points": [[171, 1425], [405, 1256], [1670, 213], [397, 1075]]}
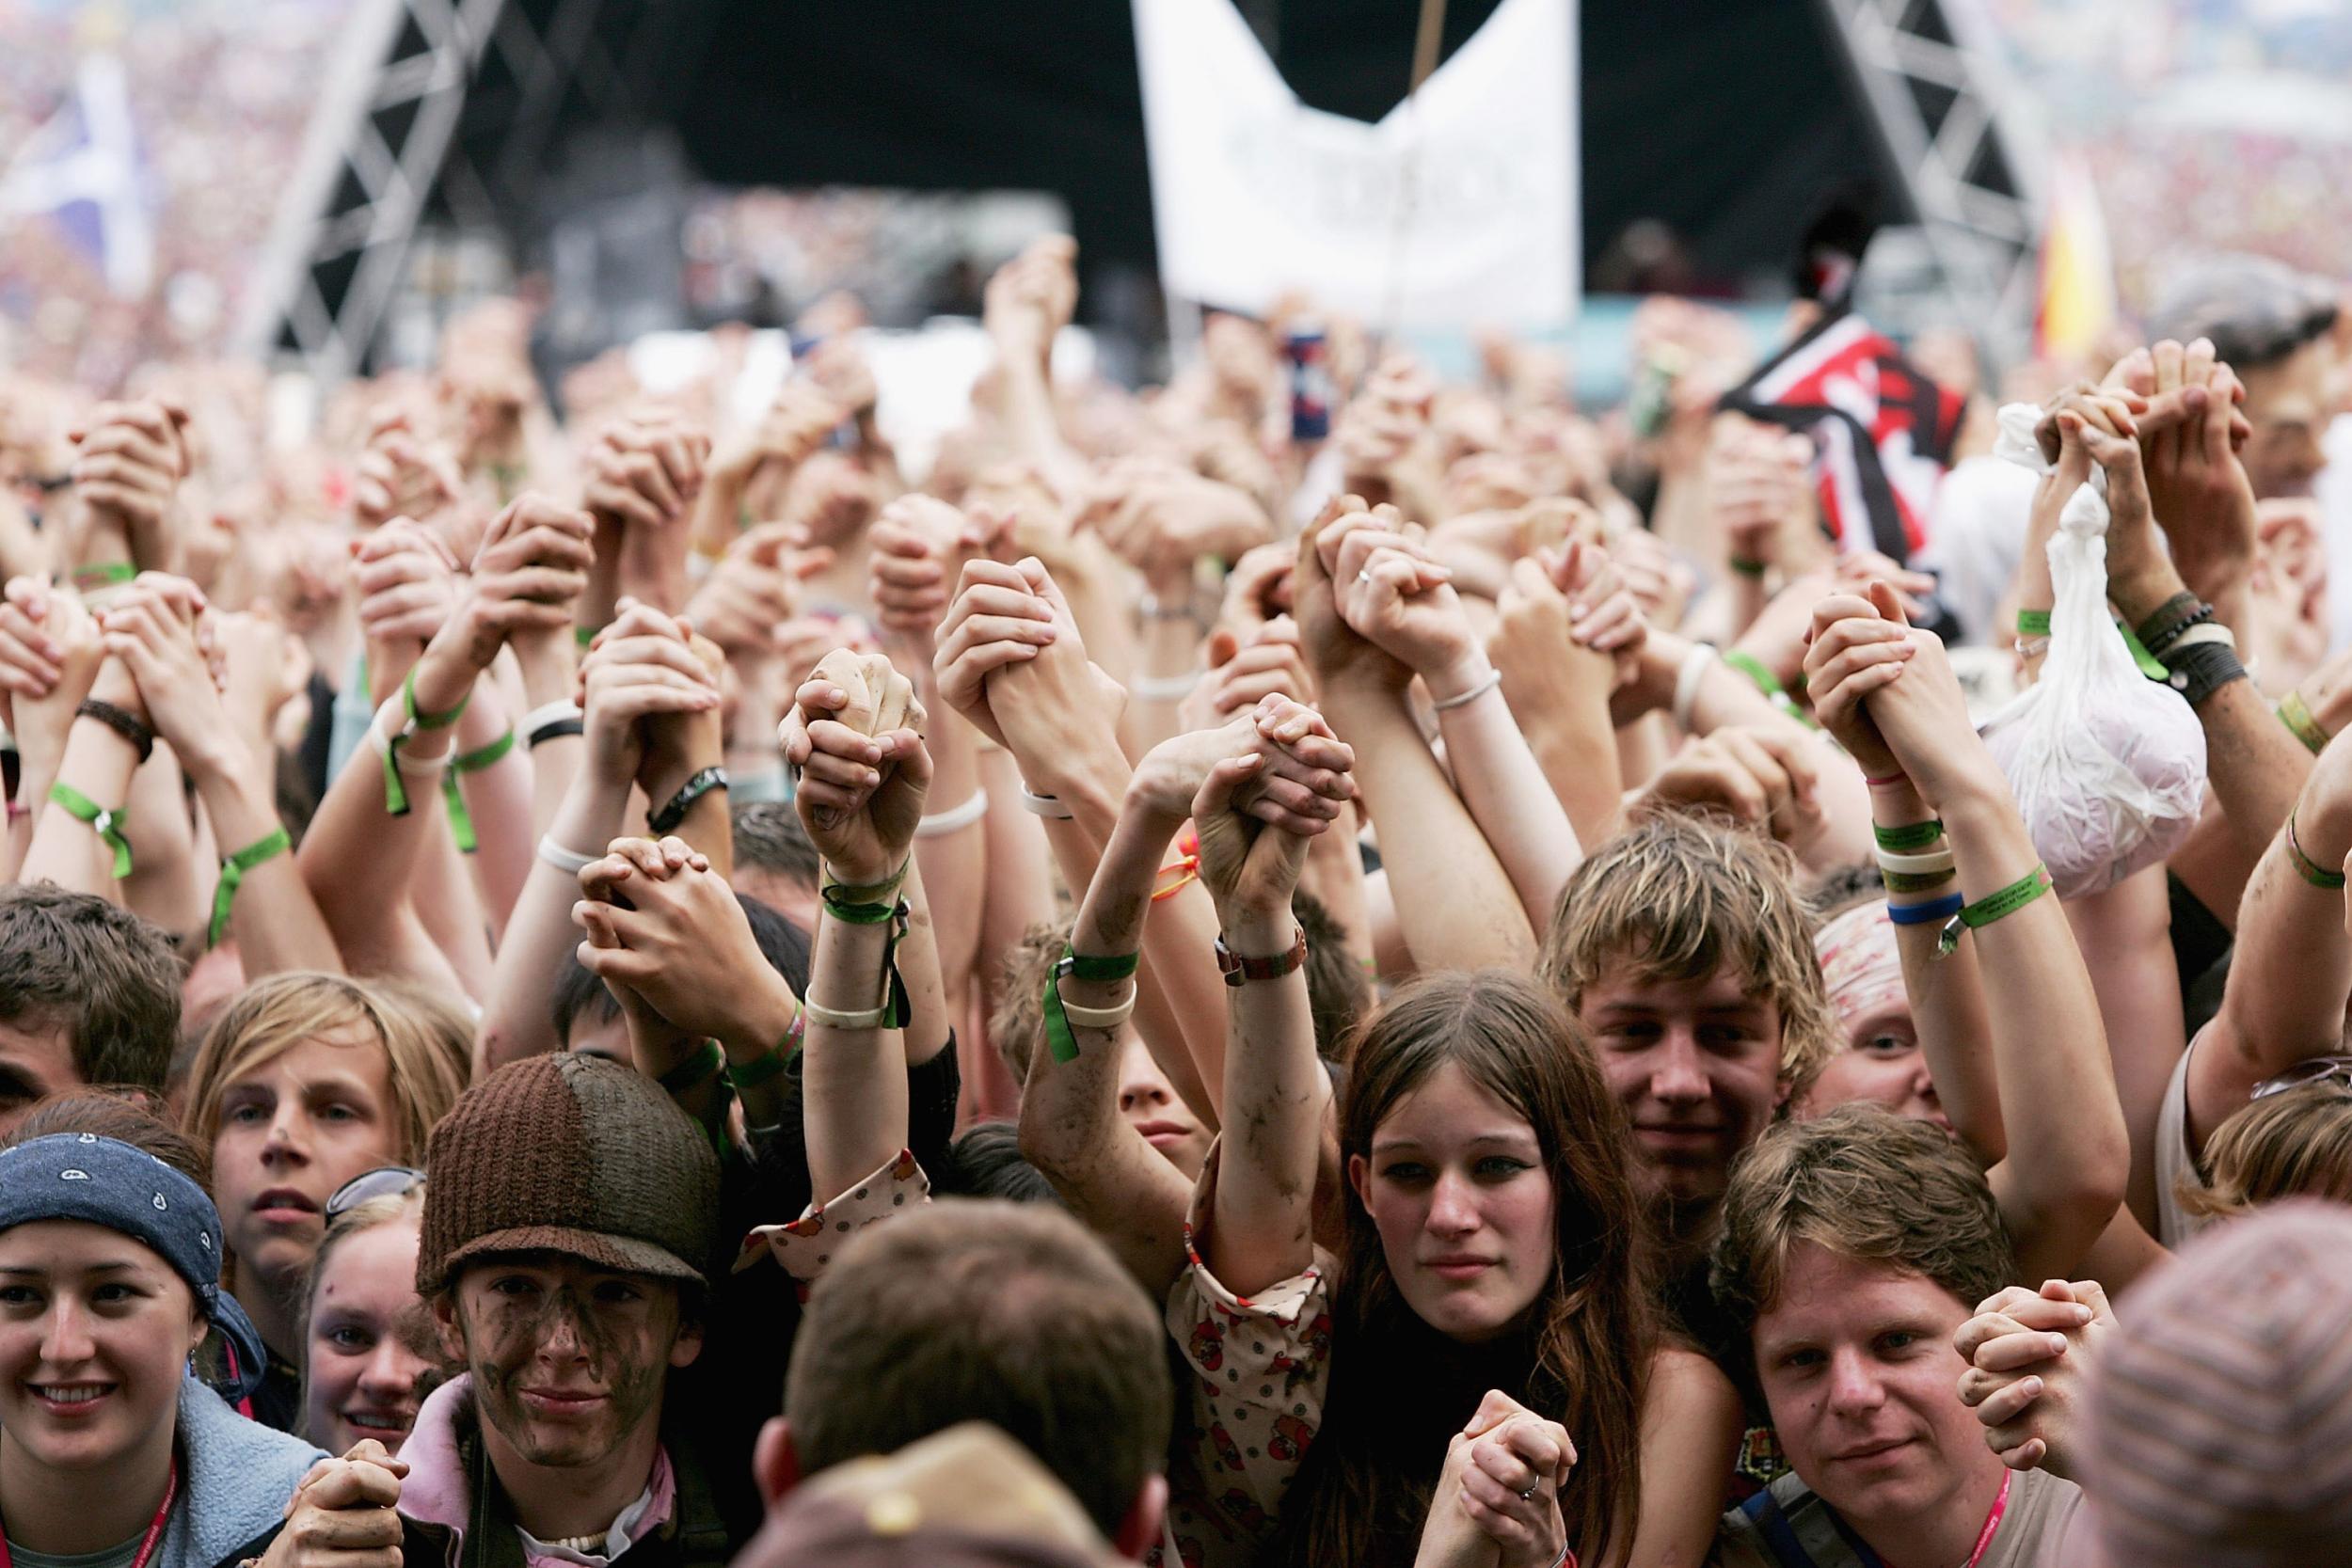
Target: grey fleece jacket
{"points": [[234, 1480]]}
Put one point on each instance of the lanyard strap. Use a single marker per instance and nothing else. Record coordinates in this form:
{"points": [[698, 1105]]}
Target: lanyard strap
{"points": [[147, 1543], [1984, 1541]]}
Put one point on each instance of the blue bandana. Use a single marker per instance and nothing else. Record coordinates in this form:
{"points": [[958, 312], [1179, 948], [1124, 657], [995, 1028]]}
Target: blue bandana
{"points": [[81, 1176]]}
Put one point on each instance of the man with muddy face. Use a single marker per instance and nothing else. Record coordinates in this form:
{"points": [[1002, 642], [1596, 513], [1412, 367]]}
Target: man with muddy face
{"points": [[567, 1222]]}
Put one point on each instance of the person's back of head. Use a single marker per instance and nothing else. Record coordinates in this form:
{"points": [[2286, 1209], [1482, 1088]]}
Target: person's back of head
{"points": [[90, 995], [775, 861], [2256, 309], [2219, 1431], [1006, 1314], [985, 1161], [2293, 1142]]}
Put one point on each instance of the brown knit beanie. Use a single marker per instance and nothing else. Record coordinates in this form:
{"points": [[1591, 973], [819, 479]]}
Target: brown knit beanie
{"points": [[2221, 1414], [572, 1154]]}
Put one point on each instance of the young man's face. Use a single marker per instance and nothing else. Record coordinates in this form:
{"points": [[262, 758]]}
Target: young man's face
{"points": [[36, 1061], [1696, 1066], [2289, 404], [569, 1360], [1857, 1364]]}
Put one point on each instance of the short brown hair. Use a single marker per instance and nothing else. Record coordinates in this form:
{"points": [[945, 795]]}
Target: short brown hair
{"points": [[1864, 1184], [123, 1119], [1009, 1313], [279, 1012], [110, 979], [1679, 896], [2297, 1143]]}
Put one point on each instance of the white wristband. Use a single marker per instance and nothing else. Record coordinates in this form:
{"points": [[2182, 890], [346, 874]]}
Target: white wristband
{"points": [[2208, 631], [1694, 667], [1044, 805], [568, 862], [547, 713], [406, 762], [1934, 860], [954, 818], [1164, 688], [870, 1017], [1492, 681], [1112, 1017]]}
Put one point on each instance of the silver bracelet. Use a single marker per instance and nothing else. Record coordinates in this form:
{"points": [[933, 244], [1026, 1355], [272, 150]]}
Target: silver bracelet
{"points": [[954, 818], [568, 862], [1493, 680], [1044, 805], [1694, 667]]}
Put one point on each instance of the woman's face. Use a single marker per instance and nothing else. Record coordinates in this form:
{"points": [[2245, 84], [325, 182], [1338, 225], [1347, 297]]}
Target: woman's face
{"points": [[1882, 1065], [293, 1130], [1153, 1108], [1456, 1187], [368, 1339], [95, 1334]]}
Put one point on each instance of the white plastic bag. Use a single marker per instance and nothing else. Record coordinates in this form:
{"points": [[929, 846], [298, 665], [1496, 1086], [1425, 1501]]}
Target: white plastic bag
{"points": [[2107, 766]]}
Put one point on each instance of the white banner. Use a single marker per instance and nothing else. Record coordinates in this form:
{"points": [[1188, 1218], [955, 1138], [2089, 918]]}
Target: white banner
{"points": [[1458, 209]]}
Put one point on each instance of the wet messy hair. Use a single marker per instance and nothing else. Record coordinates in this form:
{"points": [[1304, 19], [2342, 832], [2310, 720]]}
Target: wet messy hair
{"points": [[1679, 896]]}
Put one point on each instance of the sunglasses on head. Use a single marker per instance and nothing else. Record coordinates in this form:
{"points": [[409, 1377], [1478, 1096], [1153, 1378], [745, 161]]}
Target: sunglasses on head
{"points": [[383, 1182], [2319, 1070]]}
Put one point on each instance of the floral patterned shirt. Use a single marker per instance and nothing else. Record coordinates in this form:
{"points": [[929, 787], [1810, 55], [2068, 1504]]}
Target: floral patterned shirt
{"points": [[1260, 1365]]}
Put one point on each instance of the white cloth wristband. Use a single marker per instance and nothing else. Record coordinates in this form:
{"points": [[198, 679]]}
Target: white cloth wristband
{"points": [[1694, 667], [954, 818], [1164, 688], [870, 1017], [568, 862], [2208, 631], [405, 762], [1044, 805], [1934, 860], [547, 713], [1492, 681], [1112, 1017]]}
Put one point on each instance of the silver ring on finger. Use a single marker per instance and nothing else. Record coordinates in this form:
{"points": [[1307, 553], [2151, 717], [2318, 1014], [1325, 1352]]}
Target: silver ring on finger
{"points": [[1364, 576], [1529, 1494]]}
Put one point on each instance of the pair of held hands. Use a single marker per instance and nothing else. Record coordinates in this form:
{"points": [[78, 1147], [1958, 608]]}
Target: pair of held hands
{"points": [[1497, 1503], [2029, 1354]]}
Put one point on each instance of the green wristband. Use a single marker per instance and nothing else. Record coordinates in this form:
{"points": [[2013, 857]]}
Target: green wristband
{"points": [[2033, 623], [1753, 667], [460, 820], [108, 824], [1060, 1040], [2295, 714], [105, 574], [232, 870], [2308, 869], [1994, 906], [1916, 881], [395, 790], [696, 1070], [1909, 838]]}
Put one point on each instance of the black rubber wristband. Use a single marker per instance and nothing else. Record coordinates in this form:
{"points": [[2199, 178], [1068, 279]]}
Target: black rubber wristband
{"points": [[122, 722]]}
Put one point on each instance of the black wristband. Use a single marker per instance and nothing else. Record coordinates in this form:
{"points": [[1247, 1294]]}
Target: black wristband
{"points": [[2202, 669], [2171, 618], [674, 811], [122, 722], [555, 729]]}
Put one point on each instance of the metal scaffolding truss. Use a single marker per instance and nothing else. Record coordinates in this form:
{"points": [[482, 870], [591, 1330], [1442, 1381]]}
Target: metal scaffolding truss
{"points": [[1949, 133], [433, 112]]}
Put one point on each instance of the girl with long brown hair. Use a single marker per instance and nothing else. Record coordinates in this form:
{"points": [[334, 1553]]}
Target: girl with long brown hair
{"points": [[1474, 1377]]}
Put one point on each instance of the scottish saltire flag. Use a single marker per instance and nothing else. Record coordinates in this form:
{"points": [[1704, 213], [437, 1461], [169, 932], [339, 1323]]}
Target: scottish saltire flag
{"points": [[82, 170]]}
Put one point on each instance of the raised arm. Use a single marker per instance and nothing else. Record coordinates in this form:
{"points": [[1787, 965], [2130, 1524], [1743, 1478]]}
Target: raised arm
{"points": [[863, 779], [640, 670], [1260, 1218], [1457, 906], [362, 845], [260, 897], [2069, 1155]]}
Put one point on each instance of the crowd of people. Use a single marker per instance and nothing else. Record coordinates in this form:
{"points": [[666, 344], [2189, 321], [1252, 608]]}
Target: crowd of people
{"points": [[639, 988]]}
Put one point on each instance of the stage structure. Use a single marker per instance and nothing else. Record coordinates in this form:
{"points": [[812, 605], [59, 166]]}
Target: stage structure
{"points": [[524, 125]]}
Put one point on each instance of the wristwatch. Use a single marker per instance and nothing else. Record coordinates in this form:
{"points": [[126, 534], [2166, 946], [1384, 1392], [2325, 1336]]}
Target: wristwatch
{"points": [[1238, 969]]}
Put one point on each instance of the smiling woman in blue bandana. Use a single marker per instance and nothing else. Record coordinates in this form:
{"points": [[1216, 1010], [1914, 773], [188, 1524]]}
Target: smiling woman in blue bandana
{"points": [[112, 1453]]}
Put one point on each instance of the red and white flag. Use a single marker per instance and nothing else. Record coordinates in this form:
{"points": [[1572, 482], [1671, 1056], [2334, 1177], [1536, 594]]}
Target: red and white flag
{"points": [[1885, 431]]}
